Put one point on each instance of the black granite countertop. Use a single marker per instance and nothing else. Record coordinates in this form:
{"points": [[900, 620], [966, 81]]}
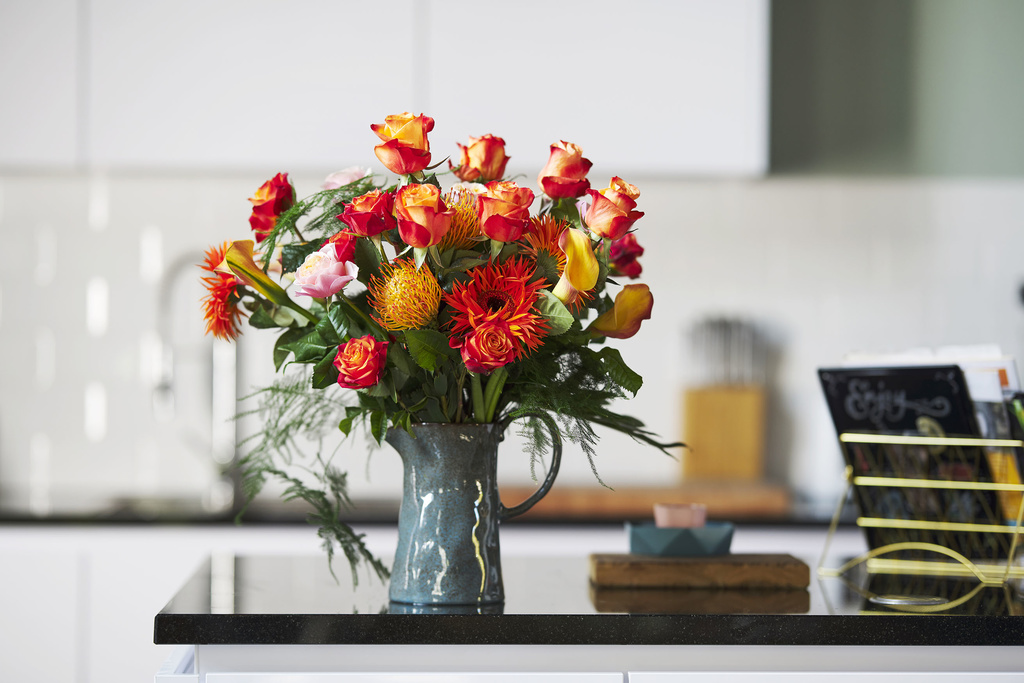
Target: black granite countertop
{"points": [[295, 600]]}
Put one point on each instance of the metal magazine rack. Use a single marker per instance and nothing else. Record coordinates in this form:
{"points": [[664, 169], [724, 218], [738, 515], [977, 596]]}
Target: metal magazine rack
{"points": [[933, 506]]}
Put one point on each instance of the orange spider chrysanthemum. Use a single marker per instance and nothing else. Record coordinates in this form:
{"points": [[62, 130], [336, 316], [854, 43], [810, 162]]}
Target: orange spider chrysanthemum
{"points": [[540, 244], [500, 292], [464, 232], [406, 298], [220, 305]]}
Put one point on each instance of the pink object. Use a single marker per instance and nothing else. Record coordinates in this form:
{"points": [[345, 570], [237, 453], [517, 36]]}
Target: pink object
{"points": [[322, 274], [680, 514]]}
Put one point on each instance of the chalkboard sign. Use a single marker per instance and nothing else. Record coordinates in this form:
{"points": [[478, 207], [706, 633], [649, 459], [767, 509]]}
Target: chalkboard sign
{"points": [[915, 401], [893, 399]]}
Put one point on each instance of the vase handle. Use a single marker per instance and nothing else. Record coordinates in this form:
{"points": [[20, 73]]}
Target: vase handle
{"points": [[556, 461]]}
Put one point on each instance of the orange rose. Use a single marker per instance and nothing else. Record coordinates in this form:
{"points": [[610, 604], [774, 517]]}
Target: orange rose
{"points": [[611, 213], [361, 362], [565, 174], [504, 210], [488, 347], [406, 148], [272, 199], [632, 306], [370, 214], [423, 218], [484, 159]]}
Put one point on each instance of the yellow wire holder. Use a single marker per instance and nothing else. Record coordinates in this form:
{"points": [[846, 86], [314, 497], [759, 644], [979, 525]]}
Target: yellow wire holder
{"points": [[930, 536]]}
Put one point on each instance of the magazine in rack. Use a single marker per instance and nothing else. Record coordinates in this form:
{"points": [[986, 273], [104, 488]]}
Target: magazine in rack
{"points": [[915, 401]]}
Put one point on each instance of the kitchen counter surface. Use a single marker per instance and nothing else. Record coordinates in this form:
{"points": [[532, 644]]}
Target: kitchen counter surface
{"points": [[293, 600]]}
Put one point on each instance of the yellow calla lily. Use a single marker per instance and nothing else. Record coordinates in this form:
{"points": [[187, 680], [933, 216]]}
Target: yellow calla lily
{"points": [[239, 261], [581, 267], [632, 306]]}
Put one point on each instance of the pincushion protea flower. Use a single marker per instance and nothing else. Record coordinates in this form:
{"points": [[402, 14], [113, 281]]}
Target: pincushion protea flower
{"points": [[406, 298], [504, 291], [464, 232], [220, 305]]}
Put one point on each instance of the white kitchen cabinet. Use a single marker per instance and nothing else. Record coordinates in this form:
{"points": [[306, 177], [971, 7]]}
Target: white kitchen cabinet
{"points": [[39, 84], [643, 87], [244, 83]]}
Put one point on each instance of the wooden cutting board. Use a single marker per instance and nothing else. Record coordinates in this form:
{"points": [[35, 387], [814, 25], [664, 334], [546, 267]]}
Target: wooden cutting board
{"points": [[719, 571]]}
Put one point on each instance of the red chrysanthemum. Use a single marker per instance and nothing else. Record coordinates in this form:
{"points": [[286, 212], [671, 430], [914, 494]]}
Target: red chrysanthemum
{"points": [[220, 305], [500, 291]]}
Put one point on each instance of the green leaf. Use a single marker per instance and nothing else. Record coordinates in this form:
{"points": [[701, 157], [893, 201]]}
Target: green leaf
{"points": [[426, 346], [309, 349], [378, 426], [619, 372], [292, 255], [554, 311], [324, 373], [367, 260], [401, 359], [281, 350], [338, 315], [325, 328]]}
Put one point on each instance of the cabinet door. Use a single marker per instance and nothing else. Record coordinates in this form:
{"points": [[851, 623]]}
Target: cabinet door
{"points": [[39, 83], [244, 83], [643, 87]]}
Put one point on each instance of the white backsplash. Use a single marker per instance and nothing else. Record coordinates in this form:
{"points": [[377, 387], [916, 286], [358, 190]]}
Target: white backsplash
{"points": [[97, 277]]}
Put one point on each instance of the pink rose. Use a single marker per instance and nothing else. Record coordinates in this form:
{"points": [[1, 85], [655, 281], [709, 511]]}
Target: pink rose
{"points": [[322, 274], [623, 254], [344, 177]]}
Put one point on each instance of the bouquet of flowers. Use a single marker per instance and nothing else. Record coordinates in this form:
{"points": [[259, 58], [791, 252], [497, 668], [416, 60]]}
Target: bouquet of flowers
{"points": [[432, 305]]}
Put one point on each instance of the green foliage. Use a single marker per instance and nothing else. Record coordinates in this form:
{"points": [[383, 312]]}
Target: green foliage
{"points": [[289, 413]]}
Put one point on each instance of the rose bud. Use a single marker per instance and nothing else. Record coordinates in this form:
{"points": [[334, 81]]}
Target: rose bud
{"points": [[565, 174], [361, 362], [322, 274], [632, 306], [423, 218], [272, 199], [504, 210], [611, 213], [406, 148], [482, 160], [623, 254], [370, 214]]}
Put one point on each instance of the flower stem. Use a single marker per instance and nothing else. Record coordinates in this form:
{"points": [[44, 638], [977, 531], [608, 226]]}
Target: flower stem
{"points": [[478, 398], [373, 327], [495, 384]]}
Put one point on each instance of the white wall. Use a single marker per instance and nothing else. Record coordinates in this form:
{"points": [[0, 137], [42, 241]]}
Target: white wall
{"points": [[824, 266]]}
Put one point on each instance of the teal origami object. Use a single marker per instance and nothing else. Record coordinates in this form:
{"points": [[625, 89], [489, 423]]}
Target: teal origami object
{"points": [[714, 538]]}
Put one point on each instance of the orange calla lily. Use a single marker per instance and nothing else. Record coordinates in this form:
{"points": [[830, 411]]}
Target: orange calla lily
{"points": [[581, 267], [239, 261], [632, 306]]}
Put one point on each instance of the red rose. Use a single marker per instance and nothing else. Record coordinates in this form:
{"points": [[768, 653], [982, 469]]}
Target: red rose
{"points": [[623, 254], [345, 245], [611, 212], [406, 148], [361, 362], [488, 347], [272, 199], [482, 160], [504, 210], [370, 214], [565, 174]]}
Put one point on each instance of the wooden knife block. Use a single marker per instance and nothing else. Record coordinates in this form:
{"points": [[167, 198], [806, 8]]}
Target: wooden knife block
{"points": [[723, 427]]}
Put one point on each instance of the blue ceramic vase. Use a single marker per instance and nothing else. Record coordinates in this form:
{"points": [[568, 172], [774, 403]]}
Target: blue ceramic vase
{"points": [[448, 551]]}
